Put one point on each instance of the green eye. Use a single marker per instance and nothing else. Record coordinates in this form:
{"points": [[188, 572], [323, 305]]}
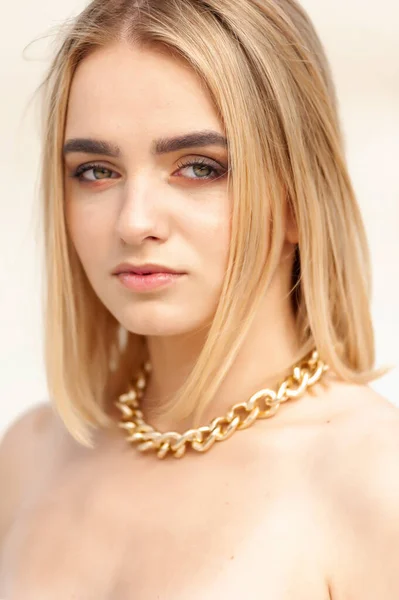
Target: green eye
{"points": [[101, 173], [94, 172], [202, 168]]}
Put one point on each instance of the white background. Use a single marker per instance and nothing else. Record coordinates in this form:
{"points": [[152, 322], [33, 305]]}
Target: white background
{"points": [[361, 40]]}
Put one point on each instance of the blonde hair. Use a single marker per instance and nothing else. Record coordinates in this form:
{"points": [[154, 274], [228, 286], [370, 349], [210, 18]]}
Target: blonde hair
{"points": [[270, 81]]}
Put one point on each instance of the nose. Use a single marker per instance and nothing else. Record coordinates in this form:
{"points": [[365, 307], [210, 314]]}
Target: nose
{"points": [[140, 216]]}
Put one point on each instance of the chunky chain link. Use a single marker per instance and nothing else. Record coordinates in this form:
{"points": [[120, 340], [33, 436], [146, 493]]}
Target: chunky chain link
{"points": [[262, 405]]}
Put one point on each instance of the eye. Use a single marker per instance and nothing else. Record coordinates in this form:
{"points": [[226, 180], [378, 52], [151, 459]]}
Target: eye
{"points": [[94, 172], [202, 168]]}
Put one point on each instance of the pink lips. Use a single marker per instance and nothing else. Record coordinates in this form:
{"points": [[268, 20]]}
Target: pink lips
{"points": [[145, 277], [140, 269], [146, 283]]}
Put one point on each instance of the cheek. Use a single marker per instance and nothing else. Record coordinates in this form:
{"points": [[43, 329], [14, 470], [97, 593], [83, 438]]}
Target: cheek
{"points": [[217, 231], [89, 231], [209, 234]]}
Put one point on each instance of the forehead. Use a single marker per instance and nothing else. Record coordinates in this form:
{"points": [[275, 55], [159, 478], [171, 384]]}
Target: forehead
{"points": [[125, 90]]}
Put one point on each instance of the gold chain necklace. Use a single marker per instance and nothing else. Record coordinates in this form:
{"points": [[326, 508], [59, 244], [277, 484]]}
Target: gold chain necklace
{"points": [[241, 415]]}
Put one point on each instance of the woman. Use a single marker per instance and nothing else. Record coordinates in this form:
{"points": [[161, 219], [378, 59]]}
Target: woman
{"points": [[207, 272]]}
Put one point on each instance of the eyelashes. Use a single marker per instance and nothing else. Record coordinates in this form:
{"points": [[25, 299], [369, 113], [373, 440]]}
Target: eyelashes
{"points": [[203, 162], [104, 172], [86, 168]]}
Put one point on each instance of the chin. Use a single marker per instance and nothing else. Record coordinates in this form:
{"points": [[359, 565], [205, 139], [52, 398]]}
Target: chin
{"points": [[162, 320]]}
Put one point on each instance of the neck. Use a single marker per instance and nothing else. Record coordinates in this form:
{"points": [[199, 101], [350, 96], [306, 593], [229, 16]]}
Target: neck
{"points": [[269, 349]]}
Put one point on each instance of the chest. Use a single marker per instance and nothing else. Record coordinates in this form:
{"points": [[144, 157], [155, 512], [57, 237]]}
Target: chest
{"points": [[114, 533]]}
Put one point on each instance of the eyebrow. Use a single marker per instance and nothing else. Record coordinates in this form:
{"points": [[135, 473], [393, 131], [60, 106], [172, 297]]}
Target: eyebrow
{"points": [[160, 146]]}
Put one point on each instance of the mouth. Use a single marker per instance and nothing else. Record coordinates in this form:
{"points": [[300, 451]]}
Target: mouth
{"points": [[146, 282], [144, 270]]}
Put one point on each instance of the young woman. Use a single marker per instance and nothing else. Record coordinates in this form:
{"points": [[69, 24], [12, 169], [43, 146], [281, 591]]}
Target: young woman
{"points": [[211, 432]]}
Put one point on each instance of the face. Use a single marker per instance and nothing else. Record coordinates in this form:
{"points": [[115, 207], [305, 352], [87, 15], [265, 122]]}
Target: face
{"points": [[130, 199]]}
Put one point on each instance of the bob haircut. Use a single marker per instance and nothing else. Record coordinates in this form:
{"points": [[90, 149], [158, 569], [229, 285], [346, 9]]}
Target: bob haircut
{"points": [[270, 81]]}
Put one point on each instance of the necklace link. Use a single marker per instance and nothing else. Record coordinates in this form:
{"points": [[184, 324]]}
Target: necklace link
{"points": [[240, 416]]}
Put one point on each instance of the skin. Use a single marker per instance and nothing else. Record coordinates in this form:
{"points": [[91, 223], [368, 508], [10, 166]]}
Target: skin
{"points": [[294, 507], [148, 209]]}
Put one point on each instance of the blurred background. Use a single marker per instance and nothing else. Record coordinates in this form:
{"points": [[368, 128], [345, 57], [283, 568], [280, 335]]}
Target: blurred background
{"points": [[362, 43]]}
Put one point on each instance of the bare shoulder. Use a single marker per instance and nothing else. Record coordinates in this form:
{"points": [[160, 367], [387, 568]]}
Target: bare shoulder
{"points": [[358, 466], [26, 430], [365, 451], [364, 428], [360, 416], [21, 454]]}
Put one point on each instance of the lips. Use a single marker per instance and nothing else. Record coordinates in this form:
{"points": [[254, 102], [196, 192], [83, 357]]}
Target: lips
{"points": [[147, 269], [148, 283]]}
